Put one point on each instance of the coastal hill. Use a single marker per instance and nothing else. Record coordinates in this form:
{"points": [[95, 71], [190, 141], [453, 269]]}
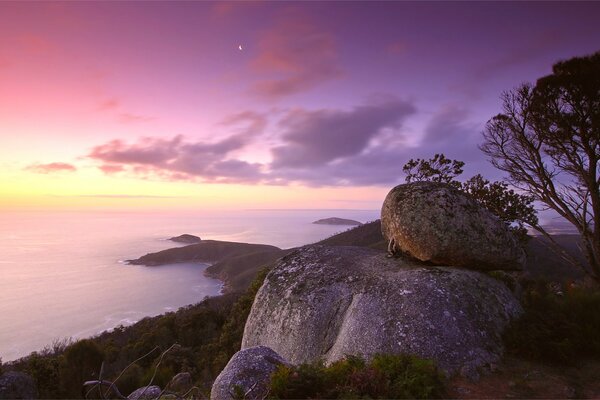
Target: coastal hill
{"points": [[337, 221], [207, 251], [236, 264]]}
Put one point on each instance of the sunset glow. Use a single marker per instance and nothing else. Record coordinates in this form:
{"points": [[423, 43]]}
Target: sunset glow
{"points": [[257, 105]]}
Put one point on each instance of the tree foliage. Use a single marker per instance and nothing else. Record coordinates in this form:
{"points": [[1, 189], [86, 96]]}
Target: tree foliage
{"points": [[547, 139], [437, 169], [514, 209]]}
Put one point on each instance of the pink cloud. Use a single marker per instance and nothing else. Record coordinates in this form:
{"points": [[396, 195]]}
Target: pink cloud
{"points": [[110, 169], [128, 118], [397, 47], [109, 104], [176, 159], [294, 56], [51, 168], [114, 105]]}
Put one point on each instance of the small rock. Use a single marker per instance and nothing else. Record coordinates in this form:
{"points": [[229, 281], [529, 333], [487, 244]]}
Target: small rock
{"points": [[145, 393], [17, 385], [181, 383], [248, 372]]}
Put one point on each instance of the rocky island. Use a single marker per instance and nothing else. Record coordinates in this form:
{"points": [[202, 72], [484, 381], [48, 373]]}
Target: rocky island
{"points": [[337, 221], [186, 238]]}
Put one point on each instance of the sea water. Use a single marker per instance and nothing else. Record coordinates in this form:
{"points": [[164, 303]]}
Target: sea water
{"points": [[62, 274]]}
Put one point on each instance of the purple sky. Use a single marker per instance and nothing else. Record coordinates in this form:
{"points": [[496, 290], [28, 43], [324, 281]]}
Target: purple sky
{"points": [[322, 94]]}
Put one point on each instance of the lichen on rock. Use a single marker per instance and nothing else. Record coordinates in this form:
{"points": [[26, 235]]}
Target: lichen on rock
{"points": [[328, 302], [436, 223]]}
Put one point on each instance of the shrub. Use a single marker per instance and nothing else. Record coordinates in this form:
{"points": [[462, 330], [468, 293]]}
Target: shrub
{"points": [[559, 329], [80, 362], [386, 376]]}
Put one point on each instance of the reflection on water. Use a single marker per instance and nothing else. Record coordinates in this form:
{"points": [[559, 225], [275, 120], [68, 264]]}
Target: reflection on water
{"points": [[60, 274]]}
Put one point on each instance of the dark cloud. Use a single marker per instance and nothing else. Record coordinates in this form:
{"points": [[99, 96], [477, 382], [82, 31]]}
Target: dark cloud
{"points": [[51, 168], [314, 138], [363, 146], [380, 163], [294, 56]]}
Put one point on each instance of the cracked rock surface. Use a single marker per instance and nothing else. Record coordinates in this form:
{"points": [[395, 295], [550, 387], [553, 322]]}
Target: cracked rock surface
{"points": [[323, 302]]}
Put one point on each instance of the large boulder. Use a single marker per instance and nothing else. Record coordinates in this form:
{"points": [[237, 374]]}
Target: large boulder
{"points": [[247, 374], [324, 303], [17, 385], [437, 223]]}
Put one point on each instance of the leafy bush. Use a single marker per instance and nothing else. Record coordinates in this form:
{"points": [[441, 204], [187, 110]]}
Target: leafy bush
{"points": [[559, 329], [386, 376]]}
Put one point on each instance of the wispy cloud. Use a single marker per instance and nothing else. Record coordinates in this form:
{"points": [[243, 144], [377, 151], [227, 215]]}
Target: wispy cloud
{"points": [[114, 106], [294, 56], [51, 168]]}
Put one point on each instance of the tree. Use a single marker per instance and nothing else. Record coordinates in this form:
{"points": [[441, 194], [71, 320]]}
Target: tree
{"points": [[437, 169], [514, 209], [547, 139]]}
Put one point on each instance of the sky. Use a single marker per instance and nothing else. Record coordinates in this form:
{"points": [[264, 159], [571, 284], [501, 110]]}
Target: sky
{"points": [[236, 105]]}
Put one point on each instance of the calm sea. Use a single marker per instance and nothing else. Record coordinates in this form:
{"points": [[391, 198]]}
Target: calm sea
{"points": [[62, 273]]}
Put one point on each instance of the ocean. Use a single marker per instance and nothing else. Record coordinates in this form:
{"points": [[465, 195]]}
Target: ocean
{"points": [[62, 274]]}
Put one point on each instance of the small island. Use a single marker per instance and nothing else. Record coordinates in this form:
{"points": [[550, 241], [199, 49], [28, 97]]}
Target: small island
{"points": [[337, 221], [186, 238]]}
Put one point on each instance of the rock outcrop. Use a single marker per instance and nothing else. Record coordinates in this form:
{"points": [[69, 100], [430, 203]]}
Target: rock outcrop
{"points": [[247, 374], [324, 302], [186, 238], [437, 223], [17, 385]]}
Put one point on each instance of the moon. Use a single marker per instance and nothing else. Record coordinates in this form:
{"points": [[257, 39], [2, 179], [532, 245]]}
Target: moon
{"points": [[240, 47]]}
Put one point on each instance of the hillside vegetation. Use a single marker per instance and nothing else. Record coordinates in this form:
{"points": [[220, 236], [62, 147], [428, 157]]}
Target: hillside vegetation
{"points": [[207, 334]]}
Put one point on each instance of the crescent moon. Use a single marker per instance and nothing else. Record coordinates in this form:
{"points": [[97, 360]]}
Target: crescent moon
{"points": [[240, 47]]}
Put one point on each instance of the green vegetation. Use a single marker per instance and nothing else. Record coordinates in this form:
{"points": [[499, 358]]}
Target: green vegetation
{"points": [[384, 377], [555, 328]]}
